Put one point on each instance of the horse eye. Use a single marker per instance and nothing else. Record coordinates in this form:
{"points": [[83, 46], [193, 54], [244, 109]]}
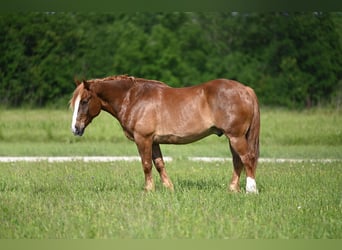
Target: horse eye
{"points": [[84, 102]]}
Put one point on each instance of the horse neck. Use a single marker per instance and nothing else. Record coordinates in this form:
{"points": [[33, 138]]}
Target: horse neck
{"points": [[112, 94]]}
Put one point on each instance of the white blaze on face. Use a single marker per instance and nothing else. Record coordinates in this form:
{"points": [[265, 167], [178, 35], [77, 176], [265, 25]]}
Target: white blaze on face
{"points": [[251, 186], [74, 117]]}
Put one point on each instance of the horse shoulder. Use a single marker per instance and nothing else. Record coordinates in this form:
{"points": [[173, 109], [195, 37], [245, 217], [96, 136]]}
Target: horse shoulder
{"points": [[139, 108]]}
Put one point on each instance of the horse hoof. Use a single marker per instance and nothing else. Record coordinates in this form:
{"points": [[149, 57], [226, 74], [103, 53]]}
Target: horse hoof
{"points": [[149, 189], [234, 189], [252, 192]]}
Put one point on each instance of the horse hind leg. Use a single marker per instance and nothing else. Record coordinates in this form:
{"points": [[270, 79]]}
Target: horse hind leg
{"points": [[158, 161], [237, 169], [248, 159]]}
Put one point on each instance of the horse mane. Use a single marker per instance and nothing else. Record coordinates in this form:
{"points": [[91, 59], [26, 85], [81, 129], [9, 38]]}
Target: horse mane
{"points": [[148, 81], [123, 77], [112, 78], [80, 87]]}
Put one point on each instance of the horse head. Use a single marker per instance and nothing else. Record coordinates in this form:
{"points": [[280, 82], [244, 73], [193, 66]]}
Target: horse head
{"points": [[86, 106]]}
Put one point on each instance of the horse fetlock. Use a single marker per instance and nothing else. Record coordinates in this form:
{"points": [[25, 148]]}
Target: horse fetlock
{"points": [[168, 184], [149, 187], [251, 186]]}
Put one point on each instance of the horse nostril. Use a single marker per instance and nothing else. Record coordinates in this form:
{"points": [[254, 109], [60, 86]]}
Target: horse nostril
{"points": [[78, 131]]}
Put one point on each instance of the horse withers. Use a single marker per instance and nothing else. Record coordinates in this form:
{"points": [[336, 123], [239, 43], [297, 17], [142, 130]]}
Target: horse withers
{"points": [[152, 113]]}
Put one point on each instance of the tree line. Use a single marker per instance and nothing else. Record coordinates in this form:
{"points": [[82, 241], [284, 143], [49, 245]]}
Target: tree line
{"points": [[290, 59]]}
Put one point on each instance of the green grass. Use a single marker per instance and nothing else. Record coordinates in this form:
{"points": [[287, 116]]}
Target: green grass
{"points": [[289, 134], [106, 200]]}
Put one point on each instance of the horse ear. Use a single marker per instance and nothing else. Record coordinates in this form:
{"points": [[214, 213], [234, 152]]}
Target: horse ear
{"points": [[86, 85], [77, 82]]}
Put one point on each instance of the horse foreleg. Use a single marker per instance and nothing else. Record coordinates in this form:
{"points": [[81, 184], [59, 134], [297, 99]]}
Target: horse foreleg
{"points": [[158, 161], [145, 151]]}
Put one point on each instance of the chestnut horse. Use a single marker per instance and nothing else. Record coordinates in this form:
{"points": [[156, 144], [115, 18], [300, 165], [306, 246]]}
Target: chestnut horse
{"points": [[152, 113]]}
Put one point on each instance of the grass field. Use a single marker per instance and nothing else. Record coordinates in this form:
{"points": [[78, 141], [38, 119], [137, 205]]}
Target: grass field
{"points": [[310, 134], [106, 200]]}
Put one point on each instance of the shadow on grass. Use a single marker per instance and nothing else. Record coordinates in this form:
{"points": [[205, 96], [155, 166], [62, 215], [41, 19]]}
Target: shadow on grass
{"points": [[199, 184]]}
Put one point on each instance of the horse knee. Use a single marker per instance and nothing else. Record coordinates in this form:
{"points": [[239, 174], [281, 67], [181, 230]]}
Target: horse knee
{"points": [[147, 167]]}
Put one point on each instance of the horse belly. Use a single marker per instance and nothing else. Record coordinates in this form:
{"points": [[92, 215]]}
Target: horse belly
{"points": [[184, 135], [184, 119], [181, 138]]}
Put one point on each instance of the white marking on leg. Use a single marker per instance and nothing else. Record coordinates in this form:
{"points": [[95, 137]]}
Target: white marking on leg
{"points": [[74, 117], [251, 186]]}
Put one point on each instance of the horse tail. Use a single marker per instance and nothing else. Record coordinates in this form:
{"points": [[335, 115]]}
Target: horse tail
{"points": [[253, 132]]}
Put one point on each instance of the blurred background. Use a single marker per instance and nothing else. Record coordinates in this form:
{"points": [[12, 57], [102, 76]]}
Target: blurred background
{"points": [[292, 60]]}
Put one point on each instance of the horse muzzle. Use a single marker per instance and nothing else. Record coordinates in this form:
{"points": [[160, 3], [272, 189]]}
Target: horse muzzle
{"points": [[78, 130]]}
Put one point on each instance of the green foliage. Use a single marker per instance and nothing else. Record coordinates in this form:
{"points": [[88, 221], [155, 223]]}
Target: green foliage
{"points": [[290, 59]]}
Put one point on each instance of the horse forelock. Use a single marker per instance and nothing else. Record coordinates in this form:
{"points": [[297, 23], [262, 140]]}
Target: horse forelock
{"points": [[78, 91]]}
